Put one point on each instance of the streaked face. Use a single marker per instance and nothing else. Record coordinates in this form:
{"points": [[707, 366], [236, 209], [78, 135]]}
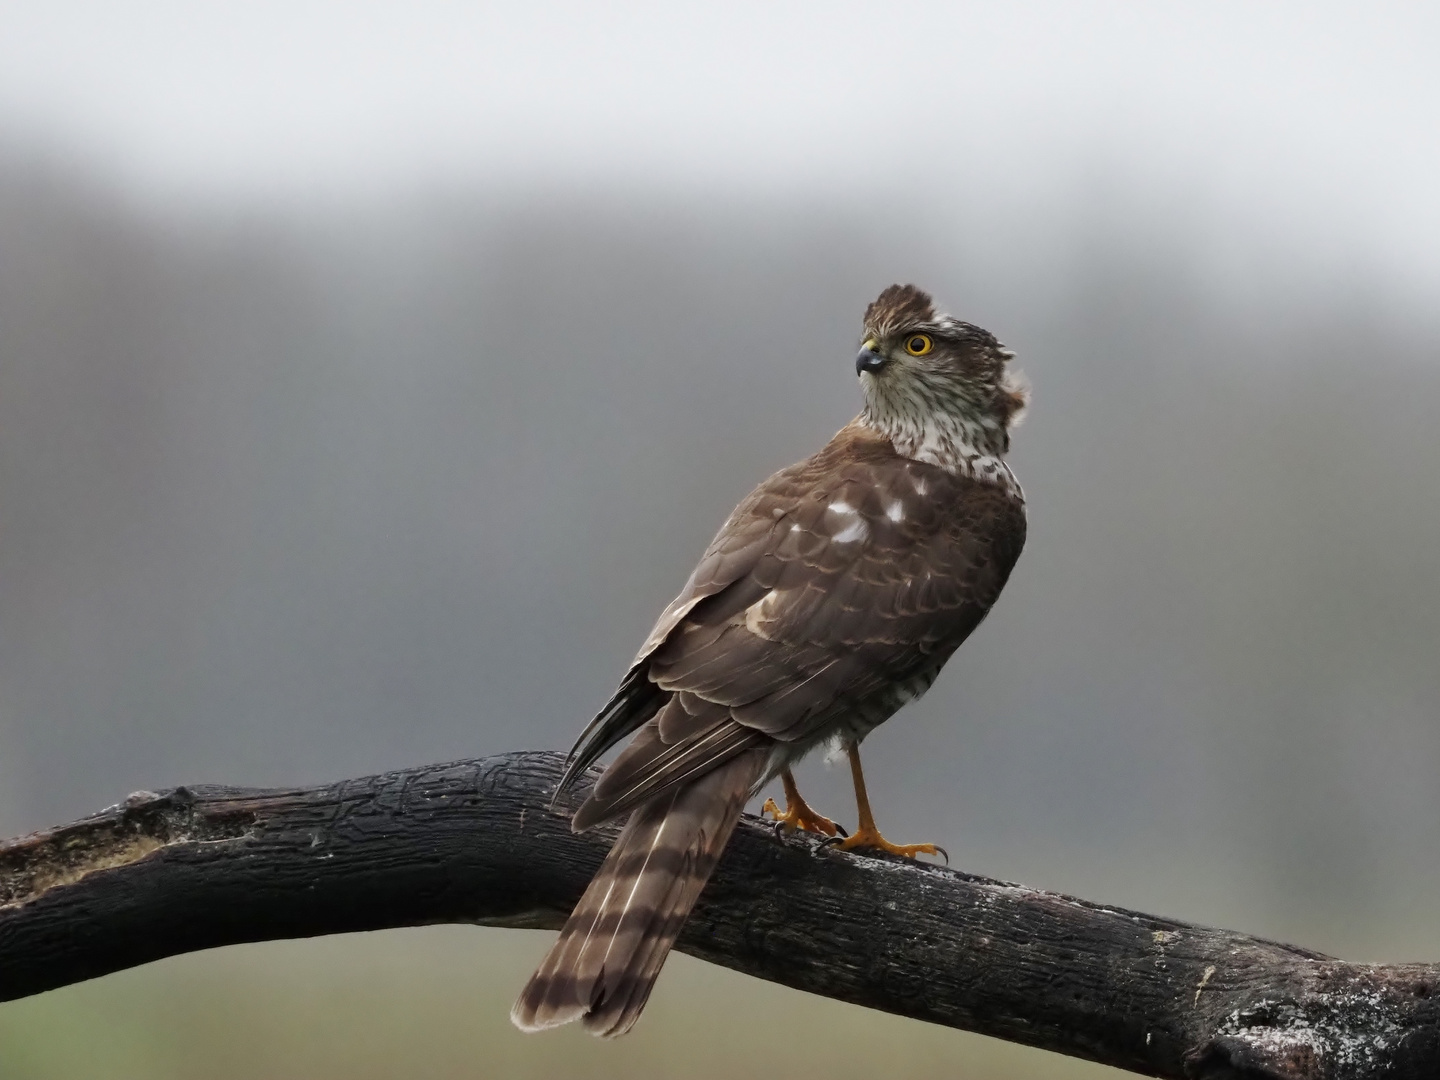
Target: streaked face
{"points": [[920, 369], [939, 364]]}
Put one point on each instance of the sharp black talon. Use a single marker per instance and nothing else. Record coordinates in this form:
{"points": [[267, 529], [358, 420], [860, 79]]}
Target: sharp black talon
{"points": [[776, 829], [943, 852], [831, 840], [840, 829]]}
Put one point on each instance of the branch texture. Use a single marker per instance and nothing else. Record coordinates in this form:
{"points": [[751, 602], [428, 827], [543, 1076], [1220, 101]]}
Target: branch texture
{"points": [[477, 842]]}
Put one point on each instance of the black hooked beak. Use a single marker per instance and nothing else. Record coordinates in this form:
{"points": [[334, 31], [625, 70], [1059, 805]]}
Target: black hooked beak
{"points": [[869, 360]]}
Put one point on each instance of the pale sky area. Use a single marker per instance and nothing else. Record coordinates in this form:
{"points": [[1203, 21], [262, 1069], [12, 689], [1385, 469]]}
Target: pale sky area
{"points": [[1316, 115]]}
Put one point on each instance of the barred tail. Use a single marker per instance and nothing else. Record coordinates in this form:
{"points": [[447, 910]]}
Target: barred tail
{"points": [[611, 950]]}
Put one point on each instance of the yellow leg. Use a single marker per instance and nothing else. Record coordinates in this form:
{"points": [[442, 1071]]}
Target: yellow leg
{"points": [[867, 835], [797, 813]]}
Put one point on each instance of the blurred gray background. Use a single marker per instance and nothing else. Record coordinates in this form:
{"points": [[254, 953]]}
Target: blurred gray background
{"points": [[371, 375]]}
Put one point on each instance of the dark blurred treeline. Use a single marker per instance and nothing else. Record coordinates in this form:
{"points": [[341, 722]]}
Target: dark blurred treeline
{"points": [[291, 494]]}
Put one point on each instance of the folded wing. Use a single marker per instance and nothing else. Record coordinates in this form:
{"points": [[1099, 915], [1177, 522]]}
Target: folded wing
{"points": [[832, 583]]}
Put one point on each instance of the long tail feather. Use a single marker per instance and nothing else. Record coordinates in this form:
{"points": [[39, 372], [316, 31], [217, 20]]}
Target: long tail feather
{"points": [[611, 950]]}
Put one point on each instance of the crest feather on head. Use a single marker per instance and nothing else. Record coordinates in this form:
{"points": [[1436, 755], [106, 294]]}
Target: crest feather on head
{"points": [[899, 304]]}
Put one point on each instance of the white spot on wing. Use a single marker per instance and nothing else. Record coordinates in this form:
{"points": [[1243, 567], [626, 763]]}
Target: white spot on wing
{"points": [[759, 610], [856, 530], [921, 486], [840, 506], [895, 511]]}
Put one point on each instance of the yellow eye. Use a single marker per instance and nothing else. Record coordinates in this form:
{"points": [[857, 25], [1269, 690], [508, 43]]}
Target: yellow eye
{"points": [[919, 344]]}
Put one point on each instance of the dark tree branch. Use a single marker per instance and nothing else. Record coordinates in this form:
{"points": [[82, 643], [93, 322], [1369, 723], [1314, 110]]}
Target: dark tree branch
{"points": [[476, 842]]}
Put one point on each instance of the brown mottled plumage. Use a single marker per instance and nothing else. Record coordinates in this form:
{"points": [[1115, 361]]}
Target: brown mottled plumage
{"points": [[833, 595]]}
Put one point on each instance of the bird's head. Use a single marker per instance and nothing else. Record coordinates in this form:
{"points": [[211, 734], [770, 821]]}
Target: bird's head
{"points": [[930, 379]]}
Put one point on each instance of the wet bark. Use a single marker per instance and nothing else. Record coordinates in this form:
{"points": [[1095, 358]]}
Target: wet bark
{"points": [[476, 841]]}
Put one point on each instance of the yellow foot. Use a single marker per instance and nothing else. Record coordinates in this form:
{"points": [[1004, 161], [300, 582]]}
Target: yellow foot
{"points": [[871, 838], [798, 815]]}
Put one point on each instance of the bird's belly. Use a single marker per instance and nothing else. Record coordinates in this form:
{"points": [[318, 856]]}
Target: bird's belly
{"points": [[852, 721], [869, 714]]}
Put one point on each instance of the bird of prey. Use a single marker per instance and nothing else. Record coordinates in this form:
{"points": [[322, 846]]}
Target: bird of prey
{"points": [[831, 597]]}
